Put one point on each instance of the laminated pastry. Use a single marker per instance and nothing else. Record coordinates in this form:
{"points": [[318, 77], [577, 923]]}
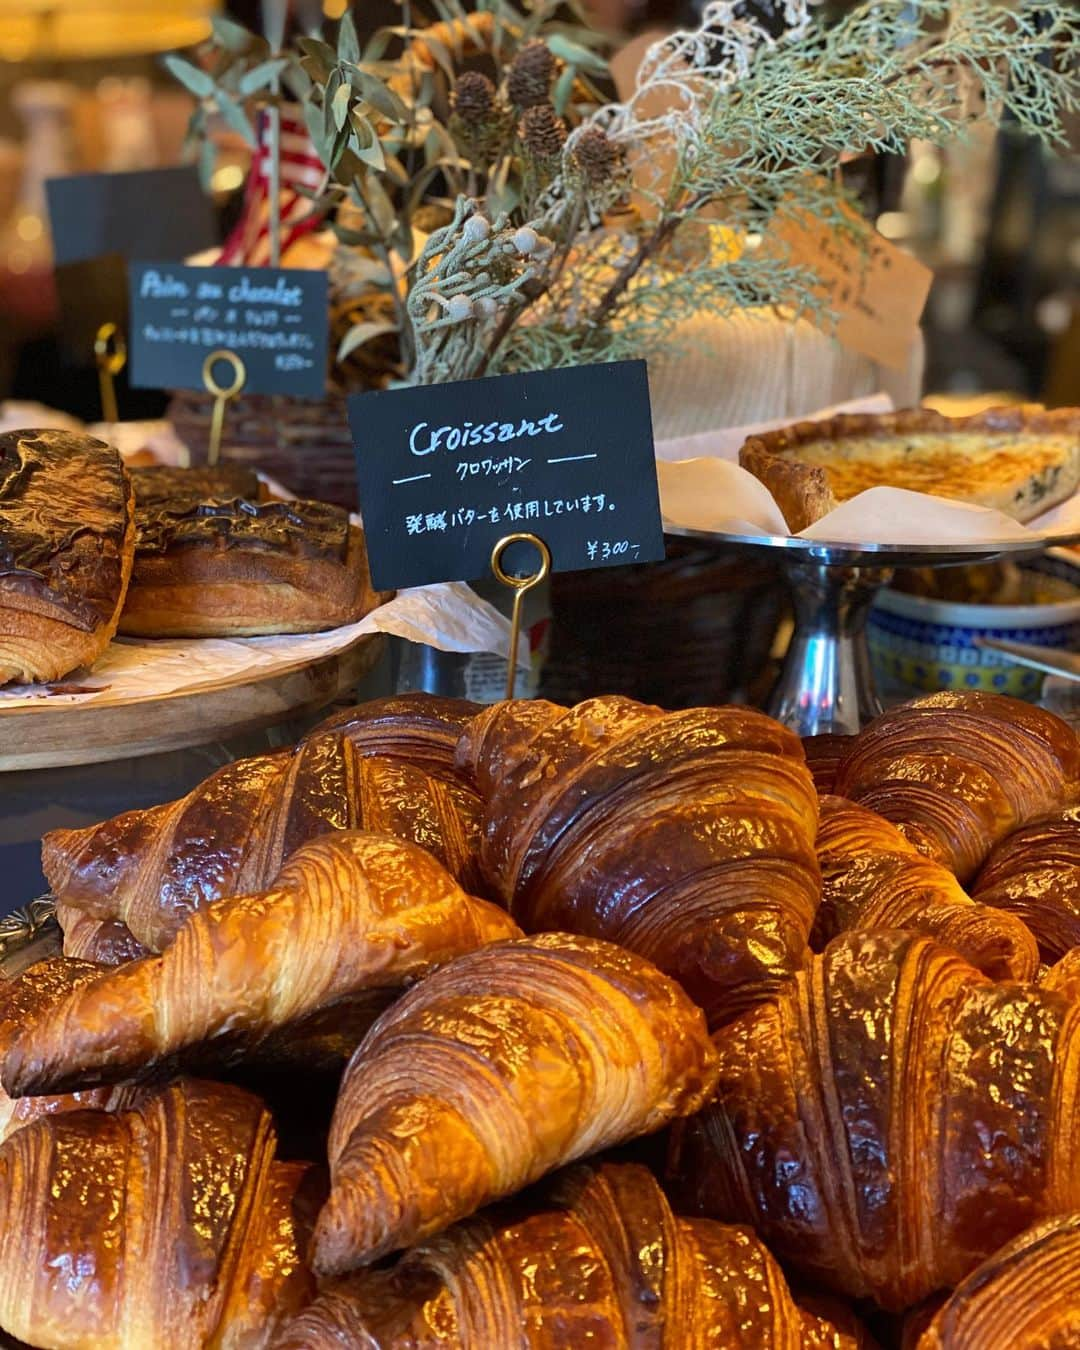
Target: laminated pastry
{"points": [[687, 837], [1031, 1286], [33, 993], [1034, 873], [957, 773], [208, 566], [385, 766], [494, 1070], [171, 1226], [67, 539], [598, 1259], [165, 486], [1021, 461], [891, 1119], [351, 917], [871, 877]]}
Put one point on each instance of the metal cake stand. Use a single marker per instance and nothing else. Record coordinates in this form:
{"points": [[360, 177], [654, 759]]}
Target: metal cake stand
{"points": [[827, 684]]}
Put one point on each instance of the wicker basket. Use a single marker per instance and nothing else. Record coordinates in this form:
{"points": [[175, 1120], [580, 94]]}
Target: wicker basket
{"points": [[695, 629], [305, 445]]}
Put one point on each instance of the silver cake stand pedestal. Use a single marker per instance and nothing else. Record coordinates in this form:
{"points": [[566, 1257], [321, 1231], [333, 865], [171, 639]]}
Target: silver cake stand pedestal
{"points": [[827, 684]]}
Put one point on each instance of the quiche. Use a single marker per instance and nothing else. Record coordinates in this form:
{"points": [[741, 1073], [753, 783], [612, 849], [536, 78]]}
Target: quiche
{"points": [[1018, 460]]}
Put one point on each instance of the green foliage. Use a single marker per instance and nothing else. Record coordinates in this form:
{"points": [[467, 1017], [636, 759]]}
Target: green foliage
{"points": [[416, 154]]}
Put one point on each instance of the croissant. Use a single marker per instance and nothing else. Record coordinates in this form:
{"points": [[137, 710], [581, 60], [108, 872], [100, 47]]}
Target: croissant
{"points": [[1064, 975], [349, 914], [956, 773], [873, 878], [824, 755], [168, 1227], [386, 767], [892, 1119], [1035, 874], [37, 989], [687, 837], [496, 1069], [104, 942], [599, 1261], [1031, 1287]]}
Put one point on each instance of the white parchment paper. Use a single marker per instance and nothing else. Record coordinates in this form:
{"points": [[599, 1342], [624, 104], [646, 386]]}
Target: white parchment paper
{"points": [[703, 487], [450, 617]]}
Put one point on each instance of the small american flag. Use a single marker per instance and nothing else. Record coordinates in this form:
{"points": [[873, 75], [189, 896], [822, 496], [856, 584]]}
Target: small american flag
{"points": [[249, 243]]}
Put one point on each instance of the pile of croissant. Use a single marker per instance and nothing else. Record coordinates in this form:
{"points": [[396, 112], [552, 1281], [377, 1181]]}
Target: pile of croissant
{"points": [[546, 1027]]}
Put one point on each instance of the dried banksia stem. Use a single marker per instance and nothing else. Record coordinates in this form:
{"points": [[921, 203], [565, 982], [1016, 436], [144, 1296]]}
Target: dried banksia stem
{"points": [[529, 82], [542, 132], [474, 98], [597, 155]]}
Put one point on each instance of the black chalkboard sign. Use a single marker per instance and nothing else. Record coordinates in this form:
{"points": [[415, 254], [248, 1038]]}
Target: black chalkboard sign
{"points": [[445, 471], [99, 222], [274, 318]]}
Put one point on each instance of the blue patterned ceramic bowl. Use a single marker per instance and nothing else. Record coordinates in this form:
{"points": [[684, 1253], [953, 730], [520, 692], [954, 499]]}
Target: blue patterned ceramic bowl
{"points": [[919, 645]]}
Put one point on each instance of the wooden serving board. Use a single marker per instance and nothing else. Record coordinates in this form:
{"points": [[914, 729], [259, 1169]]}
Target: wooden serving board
{"points": [[49, 737]]}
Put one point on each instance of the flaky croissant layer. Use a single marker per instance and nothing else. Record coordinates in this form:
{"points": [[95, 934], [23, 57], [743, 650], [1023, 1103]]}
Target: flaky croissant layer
{"points": [[350, 914], [599, 1260], [687, 837], [499, 1067], [892, 1119]]}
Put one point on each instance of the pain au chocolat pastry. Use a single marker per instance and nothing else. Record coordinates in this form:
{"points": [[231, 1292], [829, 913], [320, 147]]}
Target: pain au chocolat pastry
{"points": [[500, 1067], [1034, 873], [169, 1225], [214, 565], [871, 877], [385, 766], [957, 773], [891, 1119], [351, 917], [67, 540], [1024, 1297], [596, 1259], [687, 837]]}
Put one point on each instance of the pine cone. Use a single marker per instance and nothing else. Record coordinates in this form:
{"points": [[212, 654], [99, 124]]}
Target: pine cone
{"points": [[542, 133], [597, 155], [529, 82], [474, 98]]}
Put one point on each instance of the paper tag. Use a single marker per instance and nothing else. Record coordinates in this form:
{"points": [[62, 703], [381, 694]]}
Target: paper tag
{"points": [[877, 291], [446, 471], [273, 318]]}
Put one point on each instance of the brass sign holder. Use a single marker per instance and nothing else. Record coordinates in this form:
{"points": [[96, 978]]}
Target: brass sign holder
{"points": [[222, 394], [519, 585], [110, 354]]}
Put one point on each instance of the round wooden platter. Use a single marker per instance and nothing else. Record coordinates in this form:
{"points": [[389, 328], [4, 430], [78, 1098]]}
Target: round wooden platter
{"points": [[48, 736]]}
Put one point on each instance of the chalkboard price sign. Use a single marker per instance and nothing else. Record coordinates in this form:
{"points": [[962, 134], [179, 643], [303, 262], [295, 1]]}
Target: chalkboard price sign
{"points": [[446, 471], [273, 318]]}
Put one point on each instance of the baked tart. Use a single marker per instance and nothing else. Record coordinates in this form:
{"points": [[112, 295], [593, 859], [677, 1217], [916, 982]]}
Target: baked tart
{"points": [[1021, 460], [67, 539]]}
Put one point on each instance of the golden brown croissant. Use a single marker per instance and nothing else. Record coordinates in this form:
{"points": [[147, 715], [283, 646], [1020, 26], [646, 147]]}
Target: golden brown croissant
{"points": [[824, 755], [872, 877], [1035, 874], [349, 914], [37, 989], [169, 1227], [598, 1261], [892, 1119], [958, 772], [1025, 1297], [496, 1069], [1064, 975], [385, 767], [105, 942], [687, 837]]}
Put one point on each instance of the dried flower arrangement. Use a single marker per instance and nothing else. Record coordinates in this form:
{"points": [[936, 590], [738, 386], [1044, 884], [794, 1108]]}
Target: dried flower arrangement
{"points": [[513, 220]]}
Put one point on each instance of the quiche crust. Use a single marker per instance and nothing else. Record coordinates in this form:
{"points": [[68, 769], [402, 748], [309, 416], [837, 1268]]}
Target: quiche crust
{"points": [[1019, 460]]}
